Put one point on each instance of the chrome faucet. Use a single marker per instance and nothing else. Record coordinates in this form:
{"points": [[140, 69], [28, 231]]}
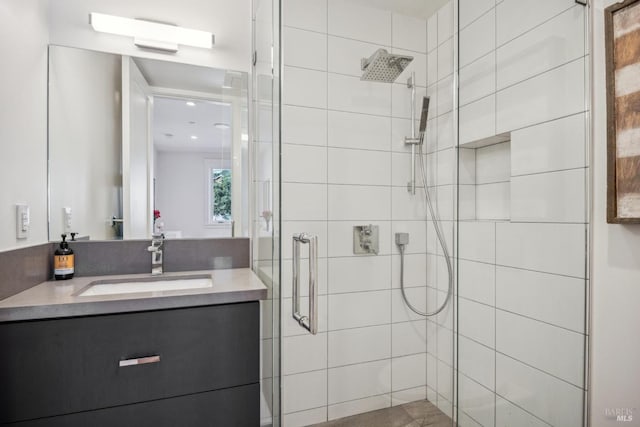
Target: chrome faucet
{"points": [[157, 240]]}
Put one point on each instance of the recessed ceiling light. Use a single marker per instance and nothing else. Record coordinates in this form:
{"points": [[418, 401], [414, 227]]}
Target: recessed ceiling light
{"points": [[191, 122], [194, 137], [222, 125], [191, 103]]}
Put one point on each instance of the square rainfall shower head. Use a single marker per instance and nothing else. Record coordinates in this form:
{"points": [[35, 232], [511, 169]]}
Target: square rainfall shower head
{"points": [[383, 66]]}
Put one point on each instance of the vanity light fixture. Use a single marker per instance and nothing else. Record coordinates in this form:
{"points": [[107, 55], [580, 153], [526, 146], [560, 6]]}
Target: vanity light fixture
{"points": [[149, 34], [222, 125]]}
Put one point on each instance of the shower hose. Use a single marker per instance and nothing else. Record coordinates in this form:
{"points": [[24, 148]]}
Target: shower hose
{"points": [[443, 244]]}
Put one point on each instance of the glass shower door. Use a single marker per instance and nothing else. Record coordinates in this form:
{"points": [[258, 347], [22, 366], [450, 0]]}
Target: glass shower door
{"points": [[265, 203], [346, 152], [523, 219]]}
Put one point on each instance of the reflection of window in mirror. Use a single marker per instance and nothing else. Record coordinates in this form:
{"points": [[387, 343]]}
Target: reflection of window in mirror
{"points": [[219, 196]]}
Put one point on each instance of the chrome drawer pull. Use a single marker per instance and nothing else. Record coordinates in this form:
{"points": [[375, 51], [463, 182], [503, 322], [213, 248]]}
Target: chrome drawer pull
{"points": [[139, 361]]}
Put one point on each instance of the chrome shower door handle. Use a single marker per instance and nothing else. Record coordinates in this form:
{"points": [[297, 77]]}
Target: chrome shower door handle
{"points": [[310, 322]]}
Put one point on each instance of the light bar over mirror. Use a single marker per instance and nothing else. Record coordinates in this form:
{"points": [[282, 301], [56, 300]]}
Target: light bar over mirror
{"points": [[149, 34]]}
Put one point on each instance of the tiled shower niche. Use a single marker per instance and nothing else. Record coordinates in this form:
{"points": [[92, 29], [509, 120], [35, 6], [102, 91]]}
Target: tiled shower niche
{"points": [[485, 180]]}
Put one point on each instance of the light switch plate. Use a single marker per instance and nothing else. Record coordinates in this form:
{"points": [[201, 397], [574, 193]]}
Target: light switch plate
{"points": [[23, 221], [66, 215]]}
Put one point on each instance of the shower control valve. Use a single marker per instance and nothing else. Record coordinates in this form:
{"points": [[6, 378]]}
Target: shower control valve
{"points": [[365, 239]]}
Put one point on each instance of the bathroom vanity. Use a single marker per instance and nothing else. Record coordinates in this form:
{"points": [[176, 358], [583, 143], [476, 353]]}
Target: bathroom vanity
{"points": [[166, 358]]}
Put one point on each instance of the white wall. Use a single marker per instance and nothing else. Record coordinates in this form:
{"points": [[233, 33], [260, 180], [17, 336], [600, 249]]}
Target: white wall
{"points": [[615, 347], [229, 20], [85, 131], [23, 121], [181, 193]]}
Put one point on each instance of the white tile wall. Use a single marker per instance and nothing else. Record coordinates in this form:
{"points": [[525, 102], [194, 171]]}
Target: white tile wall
{"points": [[476, 401], [477, 241], [551, 349], [409, 33], [373, 309], [351, 346], [549, 197], [358, 202], [478, 322], [546, 297], [554, 43], [548, 398], [493, 164], [478, 79], [304, 353], [492, 201], [310, 87], [477, 362], [304, 391], [554, 94], [470, 10], [359, 381], [408, 338], [307, 126], [359, 22], [478, 39], [358, 274], [476, 281], [508, 414], [408, 371], [478, 119], [359, 167], [345, 54], [307, 14], [550, 248], [516, 17], [358, 131], [550, 146], [296, 166], [306, 49], [348, 93]]}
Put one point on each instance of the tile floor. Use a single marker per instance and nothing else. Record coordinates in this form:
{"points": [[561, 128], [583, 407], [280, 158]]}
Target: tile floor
{"points": [[415, 414]]}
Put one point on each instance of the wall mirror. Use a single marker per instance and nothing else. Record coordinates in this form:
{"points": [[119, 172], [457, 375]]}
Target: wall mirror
{"points": [[138, 145]]}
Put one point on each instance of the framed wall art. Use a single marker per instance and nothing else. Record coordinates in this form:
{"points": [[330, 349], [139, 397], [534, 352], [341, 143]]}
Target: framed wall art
{"points": [[622, 39]]}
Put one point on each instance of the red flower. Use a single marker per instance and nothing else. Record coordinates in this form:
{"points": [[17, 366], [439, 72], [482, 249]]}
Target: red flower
{"points": [[156, 214]]}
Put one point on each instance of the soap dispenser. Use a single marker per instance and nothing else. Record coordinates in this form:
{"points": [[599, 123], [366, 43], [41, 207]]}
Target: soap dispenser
{"points": [[63, 261]]}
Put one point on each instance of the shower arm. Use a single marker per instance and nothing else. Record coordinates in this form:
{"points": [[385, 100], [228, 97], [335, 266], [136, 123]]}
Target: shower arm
{"points": [[413, 140]]}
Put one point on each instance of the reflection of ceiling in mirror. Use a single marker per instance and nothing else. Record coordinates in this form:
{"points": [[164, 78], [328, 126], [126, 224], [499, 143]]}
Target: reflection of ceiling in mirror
{"points": [[174, 75], [176, 123]]}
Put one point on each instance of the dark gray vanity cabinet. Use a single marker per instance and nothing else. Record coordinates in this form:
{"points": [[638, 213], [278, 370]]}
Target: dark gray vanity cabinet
{"points": [[203, 369]]}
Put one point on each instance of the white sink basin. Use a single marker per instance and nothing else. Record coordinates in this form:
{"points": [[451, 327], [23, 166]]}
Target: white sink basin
{"points": [[147, 284]]}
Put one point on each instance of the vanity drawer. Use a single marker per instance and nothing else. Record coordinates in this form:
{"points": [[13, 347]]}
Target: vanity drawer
{"points": [[217, 408], [61, 366]]}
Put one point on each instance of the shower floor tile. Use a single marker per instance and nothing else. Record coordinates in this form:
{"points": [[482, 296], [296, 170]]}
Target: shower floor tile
{"points": [[415, 414]]}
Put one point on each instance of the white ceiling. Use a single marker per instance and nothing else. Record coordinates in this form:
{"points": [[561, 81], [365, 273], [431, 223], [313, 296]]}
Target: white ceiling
{"points": [[418, 8], [174, 117]]}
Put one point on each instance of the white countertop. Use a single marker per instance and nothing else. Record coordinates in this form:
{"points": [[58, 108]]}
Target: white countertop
{"points": [[55, 299]]}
